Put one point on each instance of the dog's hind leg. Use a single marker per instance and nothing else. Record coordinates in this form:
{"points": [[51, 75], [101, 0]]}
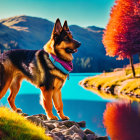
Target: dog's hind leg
{"points": [[5, 81], [14, 88], [1, 76]]}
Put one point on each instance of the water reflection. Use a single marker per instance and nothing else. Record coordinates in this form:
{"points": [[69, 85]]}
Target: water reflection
{"points": [[122, 120]]}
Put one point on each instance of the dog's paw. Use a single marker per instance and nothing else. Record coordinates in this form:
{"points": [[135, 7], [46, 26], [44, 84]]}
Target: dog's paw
{"points": [[64, 118], [18, 110], [53, 118]]}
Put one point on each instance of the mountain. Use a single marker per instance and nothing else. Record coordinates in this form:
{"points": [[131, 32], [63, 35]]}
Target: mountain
{"points": [[29, 32], [25, 32]]}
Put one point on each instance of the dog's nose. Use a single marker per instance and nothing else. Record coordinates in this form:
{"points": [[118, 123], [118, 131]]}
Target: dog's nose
{"points": [[78, 44]]}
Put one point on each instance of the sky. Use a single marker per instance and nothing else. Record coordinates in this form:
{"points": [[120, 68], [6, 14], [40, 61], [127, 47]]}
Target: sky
{"points": [[80, 12]]}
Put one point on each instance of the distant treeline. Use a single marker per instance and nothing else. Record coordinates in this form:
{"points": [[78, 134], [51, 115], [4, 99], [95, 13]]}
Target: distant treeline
{"points": [[90, 64]]}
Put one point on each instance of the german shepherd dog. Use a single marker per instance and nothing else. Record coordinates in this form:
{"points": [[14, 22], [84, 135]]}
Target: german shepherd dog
{"points": [[47, 69]]}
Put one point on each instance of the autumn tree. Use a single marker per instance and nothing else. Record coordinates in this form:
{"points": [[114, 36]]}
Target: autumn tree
{"points": [[122, 35]]}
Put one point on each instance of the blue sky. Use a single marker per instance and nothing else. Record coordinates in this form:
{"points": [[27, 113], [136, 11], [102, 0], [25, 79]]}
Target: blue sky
{"points": [[80, 12]]}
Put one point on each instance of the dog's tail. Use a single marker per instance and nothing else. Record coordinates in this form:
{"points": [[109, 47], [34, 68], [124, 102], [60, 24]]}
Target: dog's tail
{"points": [[2, 73]]}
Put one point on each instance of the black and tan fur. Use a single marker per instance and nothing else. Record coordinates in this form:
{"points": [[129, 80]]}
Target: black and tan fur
{"points": [[36, 67]]}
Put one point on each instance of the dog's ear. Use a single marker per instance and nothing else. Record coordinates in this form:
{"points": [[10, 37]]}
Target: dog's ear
{"points": [[65, 26], [57, 27]]}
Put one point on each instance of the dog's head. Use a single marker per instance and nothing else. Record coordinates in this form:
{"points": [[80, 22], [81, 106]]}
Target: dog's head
{"points": [[62, 43]]}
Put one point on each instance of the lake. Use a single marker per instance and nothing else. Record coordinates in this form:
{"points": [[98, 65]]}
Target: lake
{"points": [[79, 104]]}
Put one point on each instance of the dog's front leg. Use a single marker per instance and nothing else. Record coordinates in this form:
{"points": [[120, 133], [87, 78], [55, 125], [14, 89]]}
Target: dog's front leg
{"points": [[47, 102], [57, 99]]}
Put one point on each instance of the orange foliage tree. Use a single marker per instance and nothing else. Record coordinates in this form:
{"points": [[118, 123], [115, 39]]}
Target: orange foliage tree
{"points": [[121, 121], [122, 35]]}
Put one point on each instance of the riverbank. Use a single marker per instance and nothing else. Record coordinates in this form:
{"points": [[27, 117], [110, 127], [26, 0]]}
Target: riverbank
{"points": [[117, 84]]}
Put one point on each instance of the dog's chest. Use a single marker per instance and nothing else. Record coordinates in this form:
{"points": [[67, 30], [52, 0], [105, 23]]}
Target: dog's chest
{"points": [[59, 74], [58, 84]]}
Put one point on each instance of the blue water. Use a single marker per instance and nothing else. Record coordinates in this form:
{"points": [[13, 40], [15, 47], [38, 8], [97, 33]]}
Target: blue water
{"points": [[71, 90], [79, 104]]}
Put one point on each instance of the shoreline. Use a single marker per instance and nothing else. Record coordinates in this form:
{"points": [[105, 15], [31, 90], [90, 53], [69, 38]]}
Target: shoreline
{"points": [[112, 91]]}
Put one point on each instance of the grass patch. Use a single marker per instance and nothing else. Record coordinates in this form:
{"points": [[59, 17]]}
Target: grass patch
{"points": [[131, 85], [16, 127], [121, 79]]}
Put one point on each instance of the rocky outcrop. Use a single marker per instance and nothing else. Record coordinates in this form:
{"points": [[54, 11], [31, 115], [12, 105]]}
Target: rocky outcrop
{"points": [[64, 130]]}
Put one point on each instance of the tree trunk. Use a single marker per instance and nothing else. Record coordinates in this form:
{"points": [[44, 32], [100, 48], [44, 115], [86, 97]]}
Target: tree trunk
{"points": [[132, 66]]}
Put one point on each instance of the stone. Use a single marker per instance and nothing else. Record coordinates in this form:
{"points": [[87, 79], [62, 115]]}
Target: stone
{"points": [[36, 120], [82, 124], [64, 130], [50, 126], [55, 130], [62, 127], [76, 137], [68, 137], [54, 136], [41, 116], [68, 132], [60, 135], [87, 131], [78, 131], [49, 121], [57, 124], [69, 123], [90, 137]]}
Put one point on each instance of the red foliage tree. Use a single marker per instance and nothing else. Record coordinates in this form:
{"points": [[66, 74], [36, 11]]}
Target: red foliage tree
{"points": [[121, 121], [122, 35]]}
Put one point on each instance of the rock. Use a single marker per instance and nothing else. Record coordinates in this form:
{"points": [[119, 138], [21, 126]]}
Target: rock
{"points": [[90, 137], [78, 131], [60, 135], [82, 124], [102, 138], [68, 137], [69, 124], [62, 127], [57, 124], [68, 132], [50, 126], [36, 120], [41, 116], [87, 131], [54, 136], [49, 121], [64, 130], [55, 130], [76, 137]]}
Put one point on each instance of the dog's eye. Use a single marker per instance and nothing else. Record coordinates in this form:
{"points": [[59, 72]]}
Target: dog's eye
{"points": [[66, 38]]}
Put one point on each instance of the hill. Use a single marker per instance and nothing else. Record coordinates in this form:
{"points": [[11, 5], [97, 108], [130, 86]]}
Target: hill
{"points": [[25, 32]]}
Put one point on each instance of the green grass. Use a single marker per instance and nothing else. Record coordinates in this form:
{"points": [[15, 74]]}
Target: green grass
{"points": [[16, 127]]}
